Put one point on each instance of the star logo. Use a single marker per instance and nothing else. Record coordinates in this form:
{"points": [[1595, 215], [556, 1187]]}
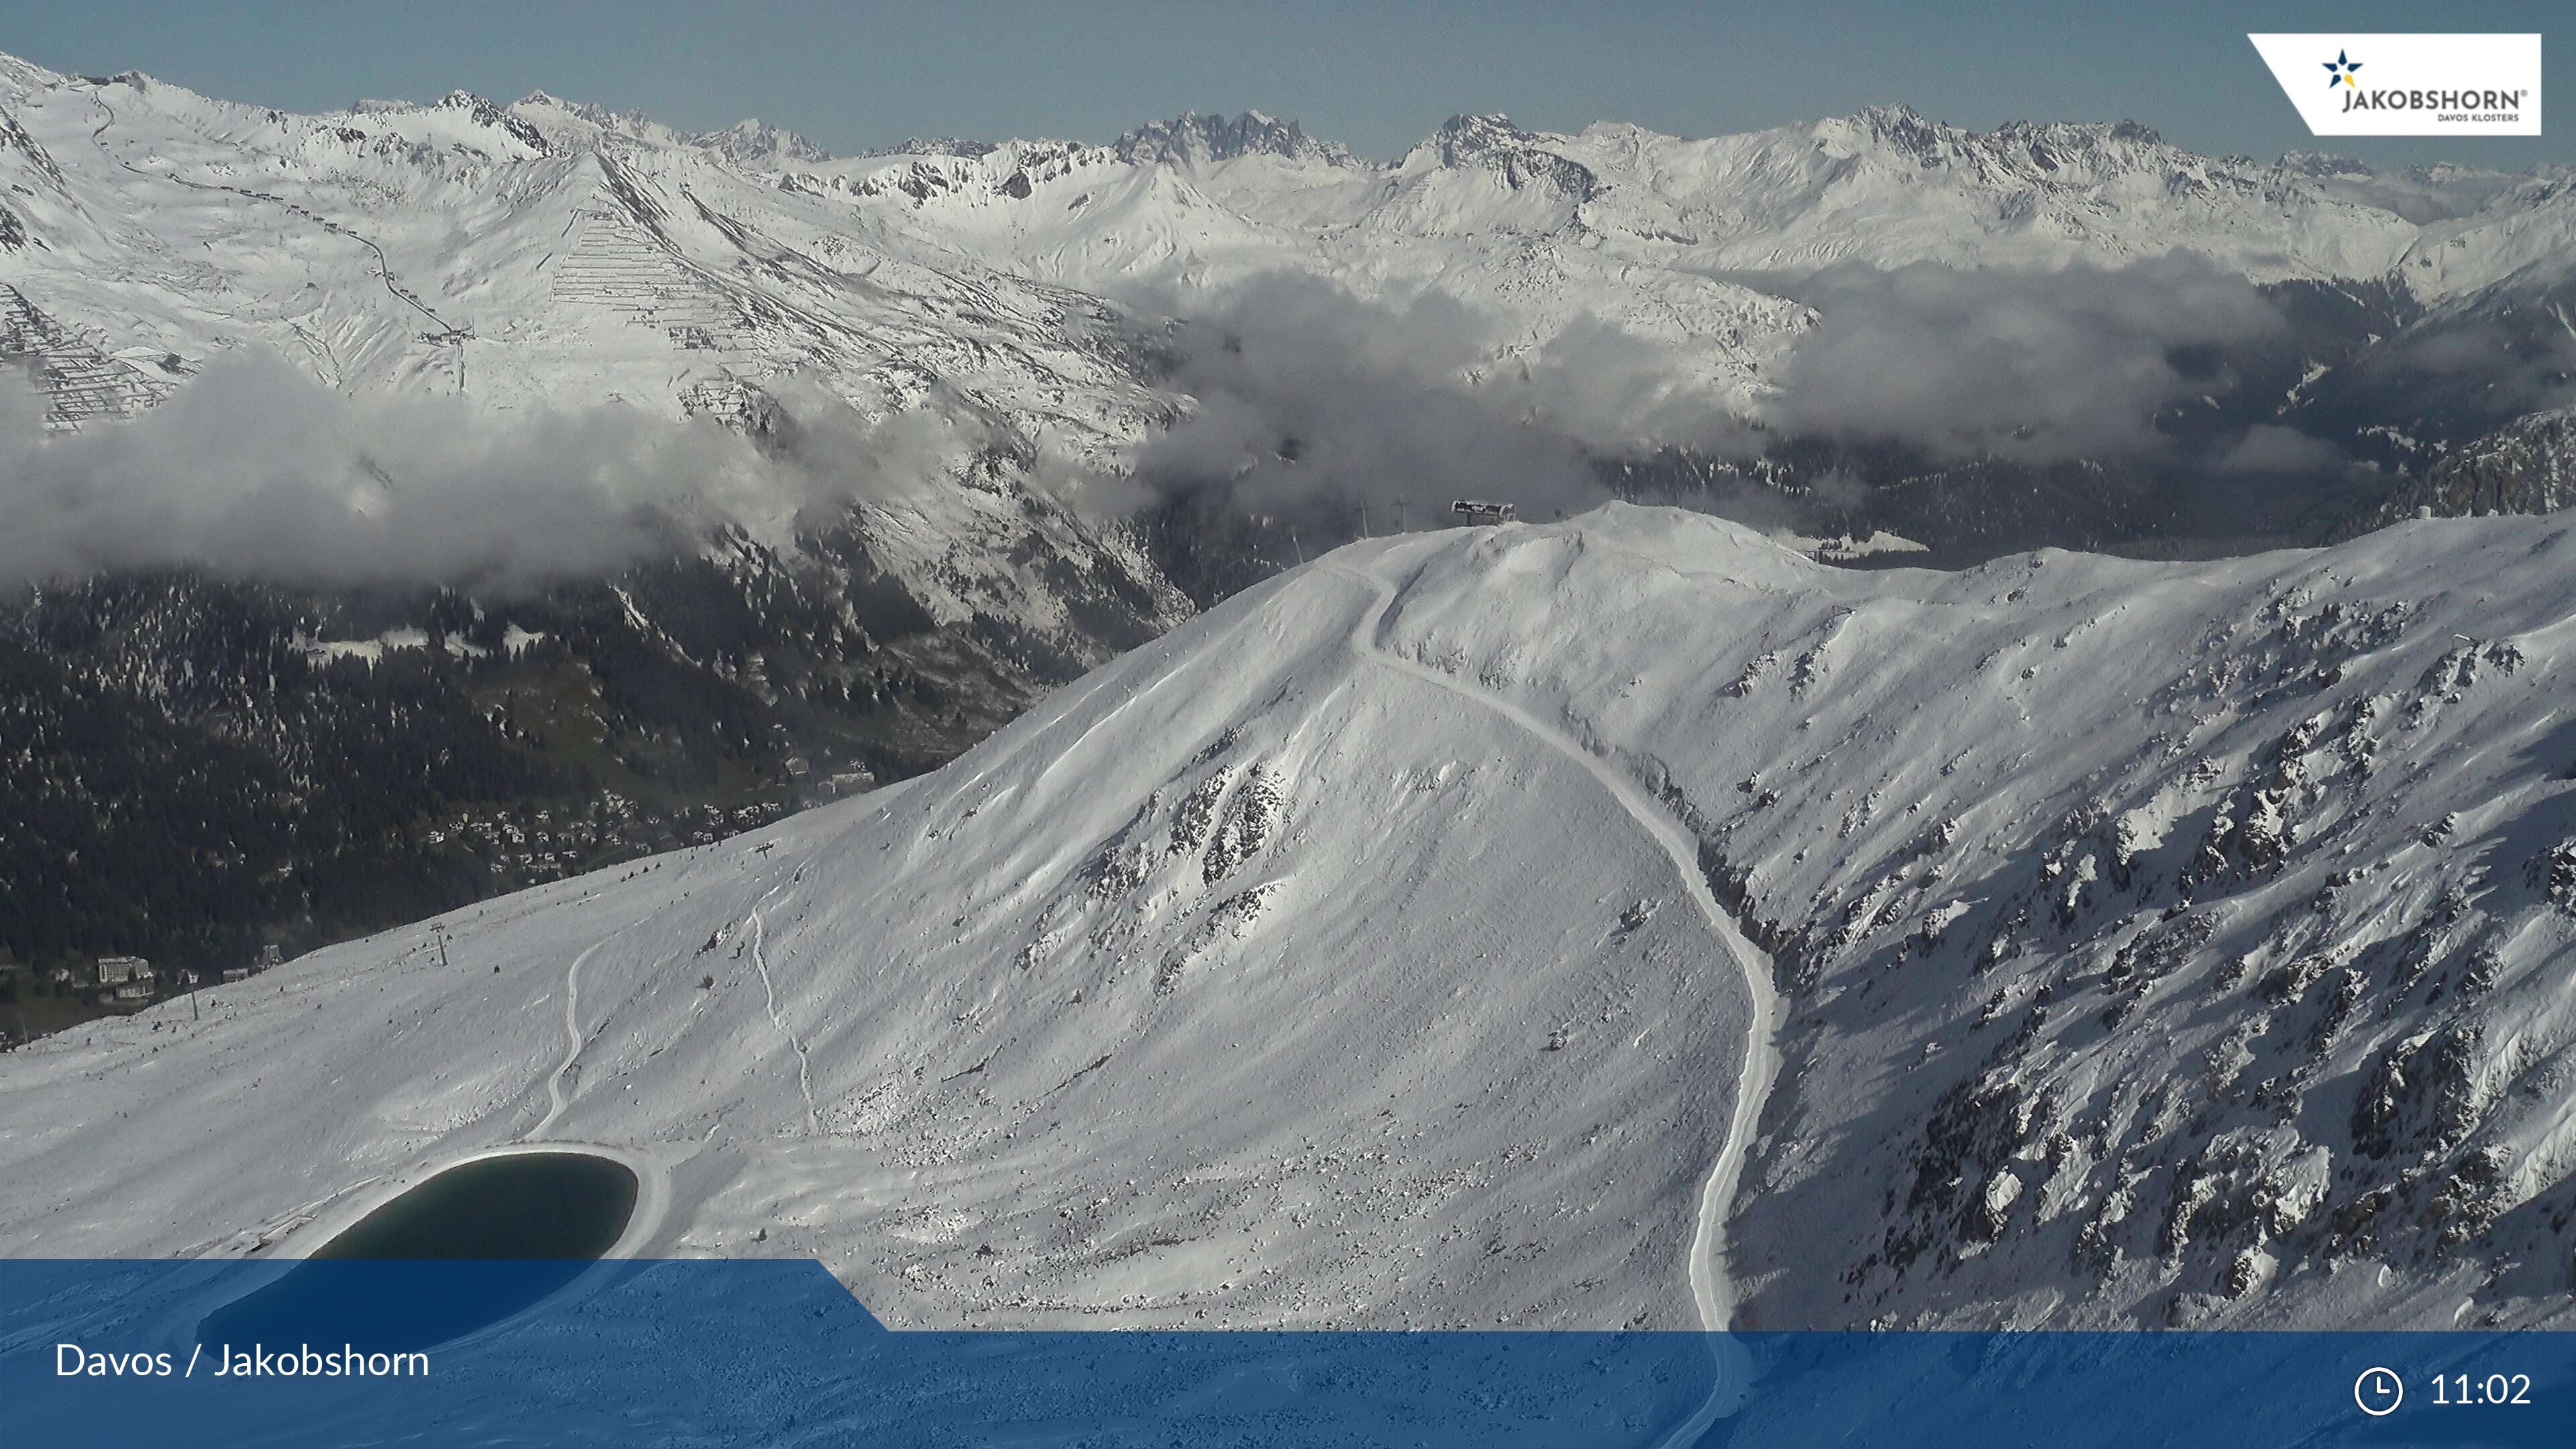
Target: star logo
{"points": [[2339, 72]]}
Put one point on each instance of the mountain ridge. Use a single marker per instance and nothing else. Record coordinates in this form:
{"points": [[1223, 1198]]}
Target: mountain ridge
{"points": [[1276, 972]]}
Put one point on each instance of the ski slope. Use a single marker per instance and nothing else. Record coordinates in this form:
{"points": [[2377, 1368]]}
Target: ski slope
{"points": [[1625, 922], [1711, 1294], [1157, 991]]}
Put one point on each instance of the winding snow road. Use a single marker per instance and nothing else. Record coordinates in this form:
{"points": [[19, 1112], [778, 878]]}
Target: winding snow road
{"points": [[384, 265], [1712, 1292], [555, 1096]]}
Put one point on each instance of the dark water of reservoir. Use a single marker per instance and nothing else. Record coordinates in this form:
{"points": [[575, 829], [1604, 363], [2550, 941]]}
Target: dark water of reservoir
{"points": [[466, 1249], [523, 1205]]}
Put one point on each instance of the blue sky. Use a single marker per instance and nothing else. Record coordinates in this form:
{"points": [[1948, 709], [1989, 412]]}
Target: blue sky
{"points": [[1377, 77]]}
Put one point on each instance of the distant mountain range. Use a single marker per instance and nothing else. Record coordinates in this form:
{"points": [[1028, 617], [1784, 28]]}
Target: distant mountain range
{"points": [[560, 251]]}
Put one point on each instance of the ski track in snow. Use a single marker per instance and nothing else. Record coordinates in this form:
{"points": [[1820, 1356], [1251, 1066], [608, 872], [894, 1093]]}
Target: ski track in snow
{"points": [[556, 1100], [1712, 1293], [557, 1095], [804, 1072]]}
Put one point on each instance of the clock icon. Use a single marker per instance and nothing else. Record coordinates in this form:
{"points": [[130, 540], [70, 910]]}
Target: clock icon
{"points": [[2378, 1391]]}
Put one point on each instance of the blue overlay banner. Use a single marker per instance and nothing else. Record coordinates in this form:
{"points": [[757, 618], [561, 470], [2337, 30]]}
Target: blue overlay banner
{"points": [[778, 1353]]}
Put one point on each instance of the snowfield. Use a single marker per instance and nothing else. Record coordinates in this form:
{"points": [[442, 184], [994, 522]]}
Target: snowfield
{"points": [[1397, 944]]}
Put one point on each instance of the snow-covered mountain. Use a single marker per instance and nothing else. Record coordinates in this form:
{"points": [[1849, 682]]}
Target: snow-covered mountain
{"points": [[553, 255], [513, 267], [1413, 939], [1622, 922], [555, 250], [2527, 466], [1672, 238], [550, 251], [754, 142], [1193, 139]]}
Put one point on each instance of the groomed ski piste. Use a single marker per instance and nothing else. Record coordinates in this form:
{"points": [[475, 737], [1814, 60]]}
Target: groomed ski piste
{"points": [[1376, 950]]}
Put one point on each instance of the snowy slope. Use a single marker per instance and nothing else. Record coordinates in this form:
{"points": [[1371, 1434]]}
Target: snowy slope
{"points": [[554, 256], [548, 255], [2161, 943], [2153, 943], [1222, 968]]}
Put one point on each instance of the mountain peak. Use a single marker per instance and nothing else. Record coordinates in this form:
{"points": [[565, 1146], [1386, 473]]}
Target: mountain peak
{"points": [[1192, 138], [1479, 131], [2026, 148], [936, 146], [476, 111], [1899, 128], [1892, 115], [1517, 158], [756, 141], [548, 105]]}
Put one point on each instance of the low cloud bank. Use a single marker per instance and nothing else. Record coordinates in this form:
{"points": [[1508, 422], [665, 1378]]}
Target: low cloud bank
{"points": [[254, 469], [1303, 398], [2028, 366], [1309, 397]]}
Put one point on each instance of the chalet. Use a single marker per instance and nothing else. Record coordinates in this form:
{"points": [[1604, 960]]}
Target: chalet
{"points": [[124, 970], [1478, 510]]}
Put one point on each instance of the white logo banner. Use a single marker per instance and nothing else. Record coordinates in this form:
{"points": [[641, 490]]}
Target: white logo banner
{"points": [[2409, 85]]}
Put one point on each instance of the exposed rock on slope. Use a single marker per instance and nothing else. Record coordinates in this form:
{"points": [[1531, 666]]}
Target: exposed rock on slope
{"points": [[2528, 466]]}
